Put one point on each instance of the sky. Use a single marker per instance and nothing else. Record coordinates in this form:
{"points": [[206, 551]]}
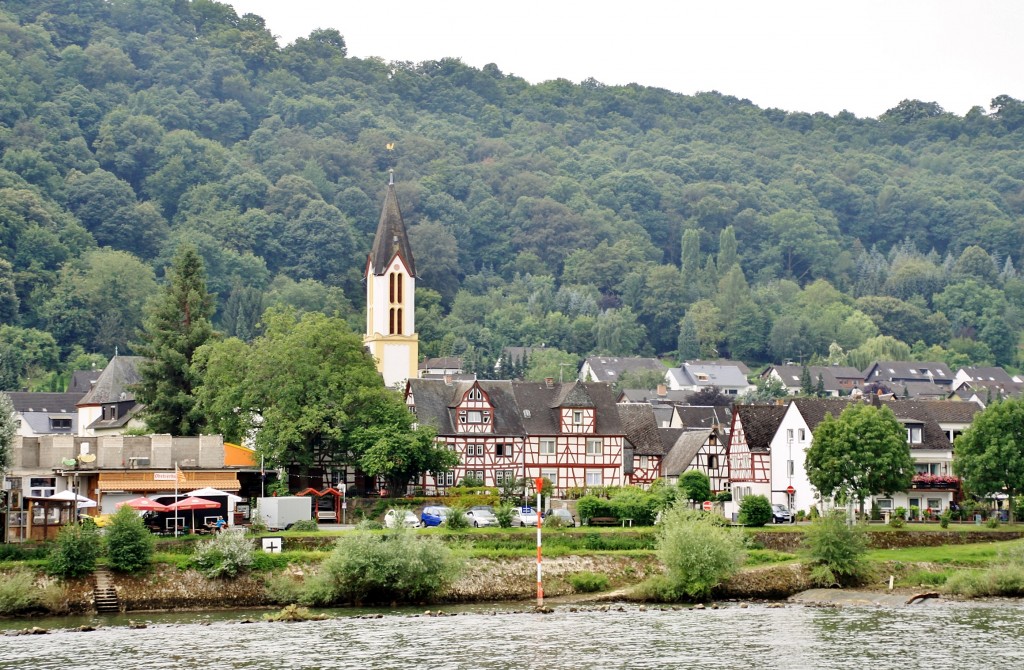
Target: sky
{"points": [[863, 56]]}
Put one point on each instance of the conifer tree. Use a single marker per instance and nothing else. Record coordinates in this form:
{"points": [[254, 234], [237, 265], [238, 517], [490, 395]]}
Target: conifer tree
{"points": [[806, 385], [819, 388], [177, 324]]}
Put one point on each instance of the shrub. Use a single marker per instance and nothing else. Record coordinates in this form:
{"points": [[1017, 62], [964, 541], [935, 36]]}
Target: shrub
{"points": [[283, 588], [836, 550], [901, 512], [755, 510], [75, 551], [896, 521], [369, 524], [944, 519], [383, 568], [18, 593], [588, 582], [305, 526], [456, 519], [634, 503], [590, 506], [993, 522], [698, 553], [503, 513], [129, 542], [552, 521], [226, 555]]}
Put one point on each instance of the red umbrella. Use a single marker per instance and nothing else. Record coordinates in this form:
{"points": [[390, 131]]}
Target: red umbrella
{"points": [[192, 503], [144, 505]]}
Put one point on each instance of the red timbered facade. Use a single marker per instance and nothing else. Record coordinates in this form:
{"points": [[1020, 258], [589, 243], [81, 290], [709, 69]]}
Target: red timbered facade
{"points": [[703, 450], [645, 455], [749, 451], [569, 433]]}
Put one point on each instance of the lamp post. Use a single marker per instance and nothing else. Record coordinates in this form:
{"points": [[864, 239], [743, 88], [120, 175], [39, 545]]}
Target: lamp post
{"points": [[344, 501]]}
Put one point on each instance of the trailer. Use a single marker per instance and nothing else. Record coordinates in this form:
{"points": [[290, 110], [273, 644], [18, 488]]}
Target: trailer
{"points": [[279, 513]]}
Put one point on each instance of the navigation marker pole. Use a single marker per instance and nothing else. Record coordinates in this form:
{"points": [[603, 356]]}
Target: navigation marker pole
{"points": [[538, 483]]}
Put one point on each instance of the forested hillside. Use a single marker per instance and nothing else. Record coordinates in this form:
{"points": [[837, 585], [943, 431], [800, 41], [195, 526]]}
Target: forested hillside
{"points": [[584, 218]]}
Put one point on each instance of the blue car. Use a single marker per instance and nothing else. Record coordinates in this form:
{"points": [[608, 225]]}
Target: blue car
{"points": [[434, 515]]}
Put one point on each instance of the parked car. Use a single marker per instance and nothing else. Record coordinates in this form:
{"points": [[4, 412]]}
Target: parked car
{"points": [[781, 514], [524, 516], [394, 518], [480, 518], [565, 515], [434, 515]]}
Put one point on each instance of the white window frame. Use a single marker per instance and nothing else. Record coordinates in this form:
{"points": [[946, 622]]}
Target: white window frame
{"points": [[595, 446], [547, 446], [884, 504], [643, 462], [594, 477], [915, 431], [577, 417], [551, 475]]}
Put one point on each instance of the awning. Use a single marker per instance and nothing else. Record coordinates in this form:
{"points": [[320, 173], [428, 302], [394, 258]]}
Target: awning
{"points": [[145, 482]]}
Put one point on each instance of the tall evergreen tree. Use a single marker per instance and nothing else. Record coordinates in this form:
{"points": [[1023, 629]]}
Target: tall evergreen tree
{"points": [[177, 324], [819, 387], [727, 250], [806, 385]]}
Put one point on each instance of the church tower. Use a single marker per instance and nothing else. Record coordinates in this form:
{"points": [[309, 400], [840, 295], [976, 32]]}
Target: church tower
{"points": [[390, 297]]}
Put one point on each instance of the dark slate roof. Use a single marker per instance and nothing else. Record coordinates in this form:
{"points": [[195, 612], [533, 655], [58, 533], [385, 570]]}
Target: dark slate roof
{"points": [[943, 411], [444, 363], [900, 370], [645, 395], [574, 394], [115, 381], [684, 450], [703, 416], [120, 421], [668, 437], [611, 368], [541, 401], [82, 380], [641, 428], [53, 403], [830, 375], [435, 401], [760, 422], [391, 238]]}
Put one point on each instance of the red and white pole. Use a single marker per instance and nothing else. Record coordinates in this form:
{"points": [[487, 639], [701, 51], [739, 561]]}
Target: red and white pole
{"points": [[538, 482]]}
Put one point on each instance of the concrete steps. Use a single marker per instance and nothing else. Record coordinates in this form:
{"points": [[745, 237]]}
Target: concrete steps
{"points": [[104, 595]]}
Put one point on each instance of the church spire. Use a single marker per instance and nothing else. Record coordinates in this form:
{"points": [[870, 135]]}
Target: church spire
{"points": [[391, 238]]}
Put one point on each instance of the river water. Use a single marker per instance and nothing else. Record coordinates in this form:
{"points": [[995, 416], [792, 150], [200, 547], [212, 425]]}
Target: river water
{"points": [[933, 636]]}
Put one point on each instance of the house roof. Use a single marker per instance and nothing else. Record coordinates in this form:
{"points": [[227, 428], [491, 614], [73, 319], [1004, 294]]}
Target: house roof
{"points": [[115, 381], [542, 401], [908, 370], [120, 421], [740, 365], [435, 401], [50, 403], [702, 375], [703, 416], [641, 428], [791, 375], [684, 450], [82, 380], [969, 390], [391, 239], [645, 395], [993, 375], [444, 363], [760, 422], [611, 368]]}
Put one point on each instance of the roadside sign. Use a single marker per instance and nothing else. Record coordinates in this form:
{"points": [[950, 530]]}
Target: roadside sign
{"points": [[708, 505], [790, 490]]}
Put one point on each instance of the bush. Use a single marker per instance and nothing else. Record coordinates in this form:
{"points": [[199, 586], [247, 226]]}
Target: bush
{"points": [[369, 524], [896, 521], [383, 568], [588, 582], [503, 513], [944, 519], [755, 510], [698, 553], [226, 555], [456, 519], [590, 506], [552, 521], [18, 593], [129, 542], [836, 550], [74, 552], [993, 522], [283, 588], [636, 504], [305, 526]]}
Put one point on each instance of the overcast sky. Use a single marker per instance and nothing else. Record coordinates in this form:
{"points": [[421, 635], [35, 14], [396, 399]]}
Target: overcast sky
{"points": [[864, 56]]}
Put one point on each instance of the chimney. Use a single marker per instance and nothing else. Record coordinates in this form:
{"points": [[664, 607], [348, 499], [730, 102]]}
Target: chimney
{"points": [[549, 382], [662, 390]]}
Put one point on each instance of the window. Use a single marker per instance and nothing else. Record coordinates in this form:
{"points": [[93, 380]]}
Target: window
{"points": [[935, 504], [42, 487], [595, 447], [474, 450], [547, 446], [595, 477], [643, 462], [577, 417], [789, 435], [885, 504], [712, 462], [914, 434], [474, 394], [475, 474], [504, 476], [801, 435], [474, 416], [503, 450], [449, 478], [551, 476], [927, 469], [59, 423]]}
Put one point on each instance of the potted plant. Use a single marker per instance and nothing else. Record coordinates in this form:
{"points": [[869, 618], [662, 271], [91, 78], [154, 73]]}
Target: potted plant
{"points": [[915, 513]]}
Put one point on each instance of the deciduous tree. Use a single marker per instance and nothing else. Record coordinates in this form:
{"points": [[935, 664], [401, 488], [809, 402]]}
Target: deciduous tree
{"points": [[989, 455]]}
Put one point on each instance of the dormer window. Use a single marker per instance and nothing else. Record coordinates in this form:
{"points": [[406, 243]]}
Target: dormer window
{"points": [[109, 412], [60, 423], [474, 416], [577, 417], [914, 433]]}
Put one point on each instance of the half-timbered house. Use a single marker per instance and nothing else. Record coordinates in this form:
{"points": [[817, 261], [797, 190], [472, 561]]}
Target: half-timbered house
{"points": [[749, 451], [703, 450], [644, 448]]}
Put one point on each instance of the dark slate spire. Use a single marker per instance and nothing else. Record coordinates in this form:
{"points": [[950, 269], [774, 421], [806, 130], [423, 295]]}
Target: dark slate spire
{"points": [[391, 238]]}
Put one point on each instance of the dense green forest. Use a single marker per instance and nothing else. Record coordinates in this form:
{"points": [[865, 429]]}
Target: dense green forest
{"points": [[586, 218]]}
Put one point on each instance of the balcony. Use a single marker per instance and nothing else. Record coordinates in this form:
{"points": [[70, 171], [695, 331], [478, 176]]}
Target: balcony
{"points": [[944, 482]]}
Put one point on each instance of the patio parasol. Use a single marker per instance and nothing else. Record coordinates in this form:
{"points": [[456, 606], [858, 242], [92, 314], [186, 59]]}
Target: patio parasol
{"points": [[70, 496], [192, 503], [144, 505]]}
